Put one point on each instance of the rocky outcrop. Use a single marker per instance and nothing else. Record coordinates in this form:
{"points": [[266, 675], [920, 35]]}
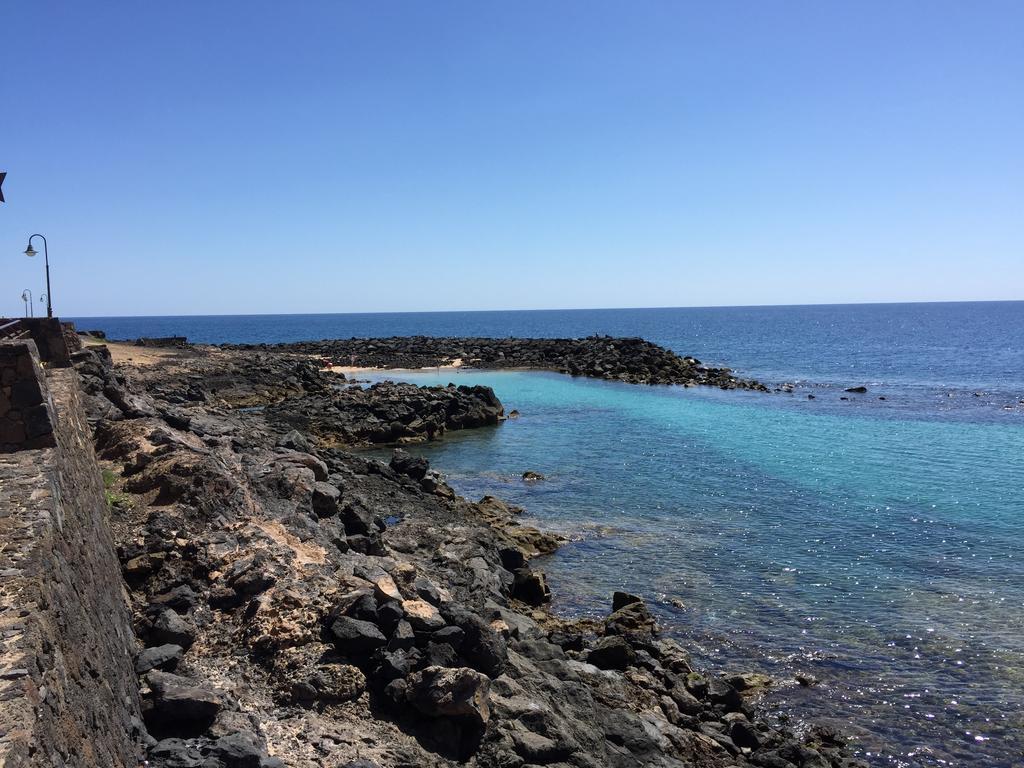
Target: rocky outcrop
{"points": [[293, 393], [632, 360], [299, 604], [388, 412]]}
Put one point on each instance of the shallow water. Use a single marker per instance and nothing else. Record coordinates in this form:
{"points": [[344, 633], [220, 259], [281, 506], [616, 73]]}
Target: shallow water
{"points": [[877, 554]]}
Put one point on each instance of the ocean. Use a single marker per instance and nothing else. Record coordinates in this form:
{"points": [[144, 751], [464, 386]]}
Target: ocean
{"points": [[870, 541]]}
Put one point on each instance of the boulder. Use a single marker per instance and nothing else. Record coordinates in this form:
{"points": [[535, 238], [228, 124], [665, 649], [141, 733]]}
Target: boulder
{"points": [[621, 599], [385, 589], [531, 587], [483, 648], [239, 750], [177, 706], [403, 638], [171, 629], [355, 637], [722, 694], [453, 636], [162, 657], [295, 441], [612, 652], [633, 620], [176, 753], [685, 701], [411, 466], [337, 682], [325, 499], [446, 692], [422, 615]]}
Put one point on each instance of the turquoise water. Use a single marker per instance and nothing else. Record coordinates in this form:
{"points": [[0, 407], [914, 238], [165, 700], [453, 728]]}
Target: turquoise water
{"points": [[880, 555]]}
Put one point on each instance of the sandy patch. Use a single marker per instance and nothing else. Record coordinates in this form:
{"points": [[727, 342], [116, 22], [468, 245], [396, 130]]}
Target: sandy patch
{"points": [[349, 370], [121, 352], [305, 554]]}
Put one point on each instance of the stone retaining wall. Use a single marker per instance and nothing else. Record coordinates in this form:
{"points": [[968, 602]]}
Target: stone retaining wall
{"points": [[25, 410], [68, 692], [49, 335]]}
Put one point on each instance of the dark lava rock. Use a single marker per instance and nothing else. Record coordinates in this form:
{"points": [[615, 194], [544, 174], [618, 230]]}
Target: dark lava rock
{"points": [[743, 734], [176, 753], [452, 636], [633, 620], [859, 390], [170, 628], [325, 499], [440, 655], [181, 598], [724, 695], [622, 599], [239, 750], [295, 441], [178, 706], [483, 649], [162, 657], [403, 638], [356, 637], [531, 587], [612, 653], [459, 694], [406, 464], [389, 615]]}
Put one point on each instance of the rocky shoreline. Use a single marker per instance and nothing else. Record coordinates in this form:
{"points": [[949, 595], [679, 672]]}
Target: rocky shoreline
{"points": [[632, 360], [298, 604]]}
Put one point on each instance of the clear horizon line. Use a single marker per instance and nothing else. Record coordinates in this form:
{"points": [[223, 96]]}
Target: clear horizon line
{"points": [[560, 309]]}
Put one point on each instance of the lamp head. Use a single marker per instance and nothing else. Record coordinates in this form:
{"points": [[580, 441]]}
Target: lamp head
{"points": [[30, 251]]}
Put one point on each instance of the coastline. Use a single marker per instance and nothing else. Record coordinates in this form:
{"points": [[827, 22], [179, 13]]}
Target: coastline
{"points": [[700, 720]]}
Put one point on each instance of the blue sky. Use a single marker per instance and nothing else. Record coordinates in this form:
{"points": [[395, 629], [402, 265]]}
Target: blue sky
{"points": [[234, 157]]}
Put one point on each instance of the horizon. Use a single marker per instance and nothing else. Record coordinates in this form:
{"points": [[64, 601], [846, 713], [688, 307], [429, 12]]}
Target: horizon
{"points": [[249, 158], [551, 309]]}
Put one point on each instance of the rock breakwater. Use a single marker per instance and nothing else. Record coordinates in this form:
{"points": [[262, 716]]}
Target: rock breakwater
{"points": [[632, 360]]}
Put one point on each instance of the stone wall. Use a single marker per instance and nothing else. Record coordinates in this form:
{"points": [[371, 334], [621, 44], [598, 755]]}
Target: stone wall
{"points": [[25, 409], [49, 335], [68, 692]]}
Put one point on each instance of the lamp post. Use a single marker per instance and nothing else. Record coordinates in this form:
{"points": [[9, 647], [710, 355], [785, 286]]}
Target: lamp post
{"points": [[26, 296], [30, 252]]}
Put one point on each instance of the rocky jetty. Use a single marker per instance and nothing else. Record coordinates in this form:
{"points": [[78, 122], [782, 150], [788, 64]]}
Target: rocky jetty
{"points": [[632, 360], [197, 388], [297, 604]]}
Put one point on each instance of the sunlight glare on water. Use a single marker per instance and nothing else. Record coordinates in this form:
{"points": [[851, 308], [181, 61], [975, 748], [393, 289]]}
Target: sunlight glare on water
{"points": [[877, 555]]}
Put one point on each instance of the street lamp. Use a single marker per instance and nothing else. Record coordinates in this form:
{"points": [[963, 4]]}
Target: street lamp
{"points": [[26, 296], [30, 252]]}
